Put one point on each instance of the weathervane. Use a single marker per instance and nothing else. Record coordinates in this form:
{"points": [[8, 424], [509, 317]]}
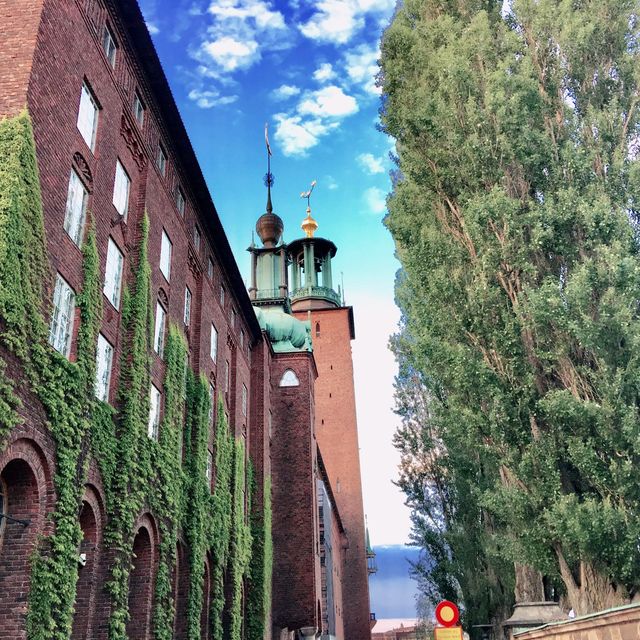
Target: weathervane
{"points": [[268, 178], [309, 225]]}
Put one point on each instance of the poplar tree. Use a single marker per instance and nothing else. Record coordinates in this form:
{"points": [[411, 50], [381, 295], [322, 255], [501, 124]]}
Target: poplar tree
{"points": [[515, 216]]}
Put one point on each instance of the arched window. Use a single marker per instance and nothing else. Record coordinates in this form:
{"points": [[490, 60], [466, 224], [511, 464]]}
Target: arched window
{"points": [[140, 582], [317, 329], [18, 535], [289, 379]]}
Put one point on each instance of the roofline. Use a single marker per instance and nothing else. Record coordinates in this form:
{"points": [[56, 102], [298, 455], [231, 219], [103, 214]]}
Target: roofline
{"points": [[142, 44]]}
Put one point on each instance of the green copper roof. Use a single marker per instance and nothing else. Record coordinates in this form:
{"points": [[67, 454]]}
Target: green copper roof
{"points": [[285, 332]]}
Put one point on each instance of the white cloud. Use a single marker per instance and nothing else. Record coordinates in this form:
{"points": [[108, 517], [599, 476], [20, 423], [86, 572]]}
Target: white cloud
{"points": [[375, 200], [370, 163], [362, 66], [330, 183], [294, 137], [284, 91], [230, 54], [324, 72], [153, 28], [243, 10], [328, 102], [337, 21], [208, 99]]}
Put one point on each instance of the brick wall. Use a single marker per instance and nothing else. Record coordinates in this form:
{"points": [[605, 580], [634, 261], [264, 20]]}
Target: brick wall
{"points": [[296, 572], [337, 434]]}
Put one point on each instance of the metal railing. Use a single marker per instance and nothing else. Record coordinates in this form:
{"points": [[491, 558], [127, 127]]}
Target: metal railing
{"points": [[316, 292]]}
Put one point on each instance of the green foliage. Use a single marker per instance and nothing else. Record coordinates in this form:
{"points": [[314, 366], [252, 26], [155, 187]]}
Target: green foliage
{"points": [[259, 594], [515, 217]]}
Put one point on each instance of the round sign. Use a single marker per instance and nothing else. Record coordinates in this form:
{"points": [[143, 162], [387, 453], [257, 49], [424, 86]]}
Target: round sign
{"points": [[447, 614]]}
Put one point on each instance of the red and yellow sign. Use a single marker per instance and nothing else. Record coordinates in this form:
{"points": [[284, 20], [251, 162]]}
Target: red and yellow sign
{"points": [[447, 614], [447, 633]]}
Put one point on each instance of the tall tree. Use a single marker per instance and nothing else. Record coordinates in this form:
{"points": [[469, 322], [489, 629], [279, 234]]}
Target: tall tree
{"points": [[515, 216]]}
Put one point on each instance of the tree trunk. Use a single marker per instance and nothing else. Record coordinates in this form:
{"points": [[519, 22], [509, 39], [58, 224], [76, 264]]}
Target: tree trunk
{"points": [[529, 587]]}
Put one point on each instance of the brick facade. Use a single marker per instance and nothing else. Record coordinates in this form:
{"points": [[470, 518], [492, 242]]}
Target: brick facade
{"points": [[49, 49]]}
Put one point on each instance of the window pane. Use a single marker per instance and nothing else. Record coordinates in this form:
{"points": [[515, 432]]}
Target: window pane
{"points": [[113, 274], [138, 109], [76, 208], [212, 400], [165, 256], [187, 306], [154, 412], [158, 339], [104, 361], [88, 117], [109, 46], [121, 190], [161, 160], [226, 376], [61, 326], [210, 268], [196, 237], [180, 200], [214, 343], [244, 400]]}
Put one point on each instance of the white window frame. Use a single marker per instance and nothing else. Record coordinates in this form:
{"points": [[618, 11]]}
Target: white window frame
{"points": [[113, 274], [245, 400], [88, 113], [109, 46], [227, 376], [181, 201], [223, 295], [104, 365], [155, 402], [233, 318], [197, 237], [76, 208], [210, 269], [159, 329], [62, 316], [213, 344], [121, 190], [138, 108], [209, 469], [187, 306], [161, 160], [166, 251]]}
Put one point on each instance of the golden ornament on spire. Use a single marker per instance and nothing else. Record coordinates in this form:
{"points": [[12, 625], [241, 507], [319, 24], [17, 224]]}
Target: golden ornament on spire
{"points": [[309, 225]]}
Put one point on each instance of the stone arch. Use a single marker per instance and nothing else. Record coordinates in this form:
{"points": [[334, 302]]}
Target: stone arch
{"points": [[89, 563], [181, 590], [24, 476], [141, 579]]}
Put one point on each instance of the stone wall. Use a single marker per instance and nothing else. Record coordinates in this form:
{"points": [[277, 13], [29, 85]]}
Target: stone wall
{"points": [[622, 623]]}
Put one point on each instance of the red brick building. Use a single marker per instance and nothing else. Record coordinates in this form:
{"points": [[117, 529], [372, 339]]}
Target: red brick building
{"points": [[112, 152]]}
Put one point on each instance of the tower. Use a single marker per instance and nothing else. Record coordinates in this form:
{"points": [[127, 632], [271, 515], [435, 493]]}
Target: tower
{"points": [[313, 297]]}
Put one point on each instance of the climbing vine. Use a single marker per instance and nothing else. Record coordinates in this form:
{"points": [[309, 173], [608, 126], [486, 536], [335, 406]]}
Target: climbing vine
{"points": [[138, 473]]}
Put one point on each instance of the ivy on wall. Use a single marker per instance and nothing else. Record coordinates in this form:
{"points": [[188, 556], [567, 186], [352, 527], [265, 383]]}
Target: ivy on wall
{"points": [[138, 473]]}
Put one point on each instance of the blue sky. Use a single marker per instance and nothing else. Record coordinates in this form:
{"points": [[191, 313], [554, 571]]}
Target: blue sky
{"points": [[308, 69]]}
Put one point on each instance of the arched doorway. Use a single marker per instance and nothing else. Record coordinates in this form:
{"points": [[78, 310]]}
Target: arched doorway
{"points": [[182, 592], [20, 511], [140, 586], [88, 562]]}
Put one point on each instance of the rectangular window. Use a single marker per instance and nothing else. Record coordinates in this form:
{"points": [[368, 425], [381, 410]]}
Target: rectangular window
{"points": [[245, 398], [154, 412], [213, 348], [209, 472], [233, 318], [138, 108], [196, 237], [109, 46], [187, 306], [61, 327], [223, 295], [227, 376], [161, 161], [165, 255], [180, 201], [113, 274], [121, 187], [212, 400], [76, 208], [158, 335], [88, 116], [104, 361], [242, 339], [210, 269]]}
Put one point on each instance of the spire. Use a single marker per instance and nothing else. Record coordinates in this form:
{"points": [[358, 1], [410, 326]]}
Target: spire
{"points": [[309, 225], [268, 179]]}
